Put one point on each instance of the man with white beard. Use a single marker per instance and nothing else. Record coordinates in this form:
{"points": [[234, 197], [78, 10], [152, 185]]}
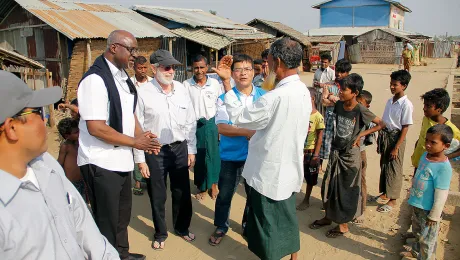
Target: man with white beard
{"points": [[164, 107]]}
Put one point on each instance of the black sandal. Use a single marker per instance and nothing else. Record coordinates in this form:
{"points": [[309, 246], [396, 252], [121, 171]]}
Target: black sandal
{"points": [[216, 237], [317, 225], [185, 234], [138, 191], [334, 233]]}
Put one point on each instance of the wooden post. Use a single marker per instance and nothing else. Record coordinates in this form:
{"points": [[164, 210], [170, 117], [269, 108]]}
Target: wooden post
{"points": [[88, 54], [33, 78], [170, 41], [49, 84], [217, 58]]}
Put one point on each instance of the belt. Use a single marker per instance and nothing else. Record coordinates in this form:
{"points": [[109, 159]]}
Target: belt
{"points": [[173, 144]]}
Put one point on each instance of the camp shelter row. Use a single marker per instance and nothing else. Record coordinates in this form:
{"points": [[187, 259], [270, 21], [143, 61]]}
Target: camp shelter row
{"points": [[67, 36]]}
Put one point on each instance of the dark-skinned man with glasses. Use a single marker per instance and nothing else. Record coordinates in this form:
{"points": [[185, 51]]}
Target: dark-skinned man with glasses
{"points": [[109, 130], [42, 214], [165, 109]]}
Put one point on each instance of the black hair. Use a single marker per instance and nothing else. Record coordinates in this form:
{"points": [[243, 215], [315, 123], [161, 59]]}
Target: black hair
{"points": [[367, 96], [313, 92], [140, 60], [74, 102], [438, 97], [241, 58], [288, 51], [264, 54], [326, 56], [354, 82], [444, 131], [403, 76], [258, 62], [66, 125], [198, 58], [342, 66]]}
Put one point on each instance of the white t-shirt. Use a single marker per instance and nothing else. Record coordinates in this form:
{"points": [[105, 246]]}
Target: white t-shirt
{"points": [[398, 113], [137, 83], [30, 176], [93, 104], [204, 98]]}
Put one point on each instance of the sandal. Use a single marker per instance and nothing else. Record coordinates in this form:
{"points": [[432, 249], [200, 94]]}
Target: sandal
{"points": [[334, 233], [216, 237], [318, 225], [186, 235], [384, 209], [138, 191], [158, 244], [378, 200]]}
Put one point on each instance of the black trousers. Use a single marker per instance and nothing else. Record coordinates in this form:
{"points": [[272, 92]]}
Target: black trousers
{"points": [[172, 160], [111, 200]]}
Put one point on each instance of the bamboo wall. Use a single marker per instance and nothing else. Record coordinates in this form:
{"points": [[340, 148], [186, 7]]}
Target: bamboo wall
{"points": [[79, 61]]}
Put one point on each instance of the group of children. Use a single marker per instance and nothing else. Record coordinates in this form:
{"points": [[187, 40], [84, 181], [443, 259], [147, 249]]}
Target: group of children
{"points": [[348, 126]]}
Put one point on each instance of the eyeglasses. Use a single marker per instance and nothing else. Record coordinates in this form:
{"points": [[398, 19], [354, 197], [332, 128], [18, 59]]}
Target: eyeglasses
{"points": [[167, 68], [38, 111], [132, 50], [239, 70]]}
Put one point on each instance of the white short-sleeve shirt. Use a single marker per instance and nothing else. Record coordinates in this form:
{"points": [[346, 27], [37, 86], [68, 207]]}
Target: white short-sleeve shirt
{"points": [[93, 104], [204, 98], [398, 114]]}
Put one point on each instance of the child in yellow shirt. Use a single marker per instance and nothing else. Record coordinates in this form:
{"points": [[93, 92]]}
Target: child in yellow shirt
{"points": [[311, 161]]}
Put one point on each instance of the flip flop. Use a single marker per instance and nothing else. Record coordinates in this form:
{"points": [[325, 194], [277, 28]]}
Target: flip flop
{"points": [[216, 236], [378, 200], [384, 209], [157, 243], [138, 191], [334, 233], [186, 234], [317, 225]]}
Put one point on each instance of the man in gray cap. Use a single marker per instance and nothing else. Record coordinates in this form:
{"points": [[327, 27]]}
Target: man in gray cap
{"points": [[42, 214], [165, 109]]}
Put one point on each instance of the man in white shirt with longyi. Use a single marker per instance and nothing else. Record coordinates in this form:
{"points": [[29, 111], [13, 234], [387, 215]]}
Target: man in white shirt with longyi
{"points": [[165, 108], [274, 166]]}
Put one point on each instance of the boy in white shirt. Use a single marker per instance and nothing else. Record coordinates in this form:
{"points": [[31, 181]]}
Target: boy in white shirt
{"points": [[392, 141]]}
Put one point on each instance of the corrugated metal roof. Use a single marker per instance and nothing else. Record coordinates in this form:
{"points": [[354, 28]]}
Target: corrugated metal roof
{"points": [[325, 39], [251, 34], [203, 37], [190, 17], [395, 3], [87, 20], [18, 59], [284, 29]]}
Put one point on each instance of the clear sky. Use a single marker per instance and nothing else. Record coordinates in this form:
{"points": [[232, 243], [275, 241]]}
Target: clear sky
{"points": [[427, 17]]}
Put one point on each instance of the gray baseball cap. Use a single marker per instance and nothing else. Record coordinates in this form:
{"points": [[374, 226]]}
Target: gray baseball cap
{"points": [[163, 57], [15, 95]]}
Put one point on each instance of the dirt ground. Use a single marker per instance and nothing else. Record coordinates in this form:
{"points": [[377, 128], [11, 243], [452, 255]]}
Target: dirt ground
{"points": [[378, 238]]}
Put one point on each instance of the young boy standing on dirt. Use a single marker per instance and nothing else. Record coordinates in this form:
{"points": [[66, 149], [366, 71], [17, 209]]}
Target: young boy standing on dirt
{"points": [[68, 129], [311, 162], [429, 192], [435, 103], [341, 188], [391, 142], [364, 99]]}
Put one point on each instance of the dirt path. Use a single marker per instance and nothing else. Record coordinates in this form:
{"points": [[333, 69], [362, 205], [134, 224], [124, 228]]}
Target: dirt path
{"points": [[378, 238]]}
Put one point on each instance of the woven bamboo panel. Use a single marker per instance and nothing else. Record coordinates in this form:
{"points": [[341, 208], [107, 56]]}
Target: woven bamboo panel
{"points": [[78, 62]]}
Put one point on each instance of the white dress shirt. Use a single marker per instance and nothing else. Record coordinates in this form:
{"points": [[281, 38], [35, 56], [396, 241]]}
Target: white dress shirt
{"points": [[222, 116], [324, 76], [137, 83], [398, 114], [169, 116], [274, 166], [93, 104], [204, 98]]}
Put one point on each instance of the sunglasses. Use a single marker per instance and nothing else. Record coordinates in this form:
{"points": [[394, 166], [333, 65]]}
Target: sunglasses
{"points": [[38, 111], [132, 50], [167, 68]]}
